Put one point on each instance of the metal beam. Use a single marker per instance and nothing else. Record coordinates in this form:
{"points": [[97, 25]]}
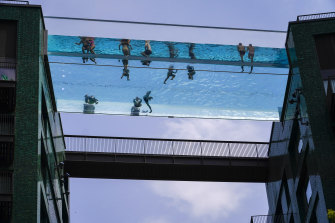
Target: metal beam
{"points": [[166, 167]]}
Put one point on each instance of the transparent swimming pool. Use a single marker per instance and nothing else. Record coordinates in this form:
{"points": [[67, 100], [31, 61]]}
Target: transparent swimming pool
{"points": [[216, 91]]}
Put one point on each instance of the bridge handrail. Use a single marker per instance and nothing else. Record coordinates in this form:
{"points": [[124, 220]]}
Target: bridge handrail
{"points": [[175, 147]]}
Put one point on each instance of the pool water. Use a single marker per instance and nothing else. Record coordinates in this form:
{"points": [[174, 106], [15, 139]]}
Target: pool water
{"points": [[228, 53], [228, 95]]}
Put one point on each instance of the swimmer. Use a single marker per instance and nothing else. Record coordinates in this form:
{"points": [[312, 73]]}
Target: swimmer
{"points": [[125, 73], [190, 51], [147, 98], [126, 47], [147, 49], [171, 73], [88, 47], [191, 72], [241, 50], [251, 55], [172, 51], [137, 102]]}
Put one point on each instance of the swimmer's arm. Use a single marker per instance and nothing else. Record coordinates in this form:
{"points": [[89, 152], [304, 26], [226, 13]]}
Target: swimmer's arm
{"points": [[79, 42]]}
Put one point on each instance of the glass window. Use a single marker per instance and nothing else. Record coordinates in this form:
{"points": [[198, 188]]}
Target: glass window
{"points": [[308, 191], [300, 145], [8, 36]]}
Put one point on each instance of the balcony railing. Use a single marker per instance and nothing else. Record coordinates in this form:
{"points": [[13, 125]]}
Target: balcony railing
{"points": [[267, 219], [7, 96], [6, 153], [168, 147], [6, 125], [14, 2], [5, 211], [316, 16], [6, 183], [7, 68]]}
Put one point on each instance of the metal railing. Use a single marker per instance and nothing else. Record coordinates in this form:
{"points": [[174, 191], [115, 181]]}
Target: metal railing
{"points": [[5, 211], [7, 68], [326, 15], [6, 124], [267, 219], [6, 183], [19, 2], [172, 147], [6, 153]]}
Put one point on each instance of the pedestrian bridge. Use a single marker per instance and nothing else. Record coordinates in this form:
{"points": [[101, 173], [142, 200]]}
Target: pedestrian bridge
{"points": [[166, 159]]}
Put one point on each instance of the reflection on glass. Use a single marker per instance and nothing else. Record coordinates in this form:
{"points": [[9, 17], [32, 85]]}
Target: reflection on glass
{"points": [[171, 73], [216, 91]]}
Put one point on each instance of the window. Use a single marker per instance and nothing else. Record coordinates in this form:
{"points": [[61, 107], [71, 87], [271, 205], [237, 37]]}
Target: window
{"points": [[8, 36], [325, 47]]}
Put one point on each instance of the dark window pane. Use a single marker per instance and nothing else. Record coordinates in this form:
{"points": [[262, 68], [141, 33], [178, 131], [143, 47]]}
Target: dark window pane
{"points": [[8, 37], [325, 46]]}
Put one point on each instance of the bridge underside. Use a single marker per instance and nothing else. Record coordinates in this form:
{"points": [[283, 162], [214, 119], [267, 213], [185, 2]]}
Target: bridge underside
{"points": [[162, 167]]}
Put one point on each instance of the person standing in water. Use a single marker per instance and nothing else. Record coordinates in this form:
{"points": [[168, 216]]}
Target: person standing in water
{"points": [[171, 73], [241, 50], [147, 98], [251, 55], [88, 47], [126, 47], [146, 53], [147, 49], [172, 51], [190, 51]]}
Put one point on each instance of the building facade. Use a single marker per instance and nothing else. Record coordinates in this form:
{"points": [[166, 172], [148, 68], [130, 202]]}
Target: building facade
{"points": [[33, 187], [301, 186]]}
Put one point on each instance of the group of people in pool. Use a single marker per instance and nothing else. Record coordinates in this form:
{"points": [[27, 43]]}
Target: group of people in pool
{"points": [[242, 50]]}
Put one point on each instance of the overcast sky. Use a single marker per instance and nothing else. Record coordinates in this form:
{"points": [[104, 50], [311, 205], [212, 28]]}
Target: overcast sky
{"points": [[165, 202]]}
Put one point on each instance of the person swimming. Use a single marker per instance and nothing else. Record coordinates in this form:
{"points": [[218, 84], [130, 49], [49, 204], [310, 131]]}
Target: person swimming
{"points": [[241, 50], [147, 49], [190, 51], [171, 73], [137, 102], [88, 47], [147, 98], [191, 72], [125, 73], [251, 55], [126, 47], [90, 99], [172, 51]]}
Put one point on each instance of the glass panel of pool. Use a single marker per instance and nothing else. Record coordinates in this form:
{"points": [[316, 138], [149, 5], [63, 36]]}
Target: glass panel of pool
{"points": [[218, 89]]}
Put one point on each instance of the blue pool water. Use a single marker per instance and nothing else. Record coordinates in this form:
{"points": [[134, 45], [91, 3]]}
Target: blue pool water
{"points": [[210, 95], [108, 46]]}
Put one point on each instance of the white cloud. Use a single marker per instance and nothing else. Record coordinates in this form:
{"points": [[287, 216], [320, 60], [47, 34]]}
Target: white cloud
{"points": [[218, 129], [205, 200], [156, 220]]}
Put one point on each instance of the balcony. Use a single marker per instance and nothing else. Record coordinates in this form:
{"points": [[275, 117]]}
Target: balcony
{"points": [[6, 125], [267, 219], [6, 152], [5, 211]]}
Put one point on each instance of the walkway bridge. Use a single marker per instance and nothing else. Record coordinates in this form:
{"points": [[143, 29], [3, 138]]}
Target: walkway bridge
{"points": [[166, 159]]}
